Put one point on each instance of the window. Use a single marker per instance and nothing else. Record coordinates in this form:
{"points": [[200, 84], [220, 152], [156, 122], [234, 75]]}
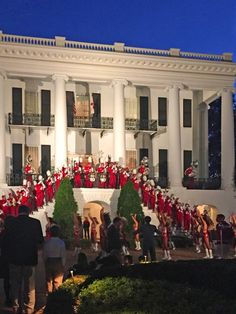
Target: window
{"points": [[45, 107], [143, 152], [162, 111], [45, 158], [70, 102], [163, 168], [187, 113], [187, 159], [16, 105], [144, 113]]}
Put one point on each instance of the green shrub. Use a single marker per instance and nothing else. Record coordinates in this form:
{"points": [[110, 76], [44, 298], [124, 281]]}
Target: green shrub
{"points": [[129, 203], [65, 207], [125, 295], [63, 300]]}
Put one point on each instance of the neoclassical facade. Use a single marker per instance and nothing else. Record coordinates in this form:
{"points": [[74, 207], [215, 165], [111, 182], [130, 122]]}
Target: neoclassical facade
{"points": [[60, 100]]}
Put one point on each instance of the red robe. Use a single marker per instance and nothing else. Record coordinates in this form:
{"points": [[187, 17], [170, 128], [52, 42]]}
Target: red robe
{"points": [[39, 189], [49, 189]]}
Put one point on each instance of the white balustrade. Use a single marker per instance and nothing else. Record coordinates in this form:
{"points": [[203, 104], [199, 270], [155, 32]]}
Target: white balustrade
{"points": [[26, 40]]}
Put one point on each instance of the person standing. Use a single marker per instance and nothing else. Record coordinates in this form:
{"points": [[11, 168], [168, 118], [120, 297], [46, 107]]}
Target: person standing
{"points": [[94, 240], [54, 255], [21, 240], [147, 233], [86, 226]]}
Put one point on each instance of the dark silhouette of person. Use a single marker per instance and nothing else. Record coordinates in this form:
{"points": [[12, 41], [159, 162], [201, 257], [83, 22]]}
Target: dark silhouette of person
{"points": [[113, 235], [21, 239], [147, 233]]}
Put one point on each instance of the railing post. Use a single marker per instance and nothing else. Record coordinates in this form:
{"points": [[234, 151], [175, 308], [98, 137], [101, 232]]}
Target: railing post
{"points": [[175, 52], [60, 41], [119, 47], [227, 56]]}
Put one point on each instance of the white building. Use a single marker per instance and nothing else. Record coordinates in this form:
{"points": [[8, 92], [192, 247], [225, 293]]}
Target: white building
{"points": [[146, 102]]}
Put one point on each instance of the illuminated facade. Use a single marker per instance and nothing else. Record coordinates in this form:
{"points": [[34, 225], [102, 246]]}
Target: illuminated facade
{"points": [[60, 100]]}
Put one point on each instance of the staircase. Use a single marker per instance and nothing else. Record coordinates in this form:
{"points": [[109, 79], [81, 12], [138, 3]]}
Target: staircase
{"points": [[40, 215]]}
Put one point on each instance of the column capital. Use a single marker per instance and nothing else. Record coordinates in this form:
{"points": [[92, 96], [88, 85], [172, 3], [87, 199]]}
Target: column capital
{"points": [[119, 81], [176, 86], [60, 76], [226, 90], [3, 74]]}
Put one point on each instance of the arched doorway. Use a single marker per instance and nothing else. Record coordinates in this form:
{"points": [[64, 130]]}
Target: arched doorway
{"points": [[93, 208]]}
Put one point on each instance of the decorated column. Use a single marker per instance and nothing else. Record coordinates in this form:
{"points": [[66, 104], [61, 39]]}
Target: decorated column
{"points": [[119, 121], [227, 139], [2, 133], [174, 138], [60, 120]]}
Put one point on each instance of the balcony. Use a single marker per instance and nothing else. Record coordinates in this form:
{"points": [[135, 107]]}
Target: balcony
{"points": [[30, 119], [92, 122], [145, 125], [202, 183]]}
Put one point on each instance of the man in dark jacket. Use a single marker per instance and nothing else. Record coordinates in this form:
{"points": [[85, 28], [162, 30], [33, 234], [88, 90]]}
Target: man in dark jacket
{"points": [[22, 237], [147, 234]]}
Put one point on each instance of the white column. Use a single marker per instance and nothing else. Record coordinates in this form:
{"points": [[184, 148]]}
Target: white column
{"points": [[60, 120], [2, 133], [227, 139], [119, 121], [174, 138]]}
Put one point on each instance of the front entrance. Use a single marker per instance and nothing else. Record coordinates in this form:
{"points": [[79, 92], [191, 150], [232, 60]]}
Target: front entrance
{"points": [[93, 209]]}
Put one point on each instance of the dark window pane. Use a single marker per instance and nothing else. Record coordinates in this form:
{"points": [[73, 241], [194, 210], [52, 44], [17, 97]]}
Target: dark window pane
{"points": [[96, 118], [45, 107], [187, 159], [45, 158], [162, 111], [17, 105], [70, 102], [163, 166], [187, 113], [143, 113]]}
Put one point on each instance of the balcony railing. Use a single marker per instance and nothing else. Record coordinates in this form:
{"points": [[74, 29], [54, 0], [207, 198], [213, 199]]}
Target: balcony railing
{"points": [[30, 119], [106, 123], [145, 125], [202, 183], [59, 41]]}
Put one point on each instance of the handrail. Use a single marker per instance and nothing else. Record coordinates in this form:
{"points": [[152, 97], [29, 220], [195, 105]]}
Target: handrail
{"points": [[116, 47], [88, 122]]}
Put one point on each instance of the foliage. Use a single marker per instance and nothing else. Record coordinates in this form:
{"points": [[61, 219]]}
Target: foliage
{"points": [[64, 299], [125, 295], [129, 203], [65, 207]]}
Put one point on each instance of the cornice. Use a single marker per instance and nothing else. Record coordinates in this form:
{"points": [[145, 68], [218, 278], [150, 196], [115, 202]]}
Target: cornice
{"points": [[121, 60]]}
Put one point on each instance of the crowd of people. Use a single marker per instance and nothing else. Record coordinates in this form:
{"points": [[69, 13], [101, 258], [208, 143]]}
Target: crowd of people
{"points": [[109, 239]]}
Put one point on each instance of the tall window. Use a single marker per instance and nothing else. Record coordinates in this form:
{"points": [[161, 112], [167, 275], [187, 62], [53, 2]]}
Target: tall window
{"points": [[70, 103], [162, 111], [163, 168], [187, 113], [143, 152], [144, 113], [45, 107], [17, 105], [187, 159]]}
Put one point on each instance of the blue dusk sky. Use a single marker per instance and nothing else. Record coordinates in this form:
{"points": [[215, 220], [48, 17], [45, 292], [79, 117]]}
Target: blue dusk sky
{"points": [[207, 26]]}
